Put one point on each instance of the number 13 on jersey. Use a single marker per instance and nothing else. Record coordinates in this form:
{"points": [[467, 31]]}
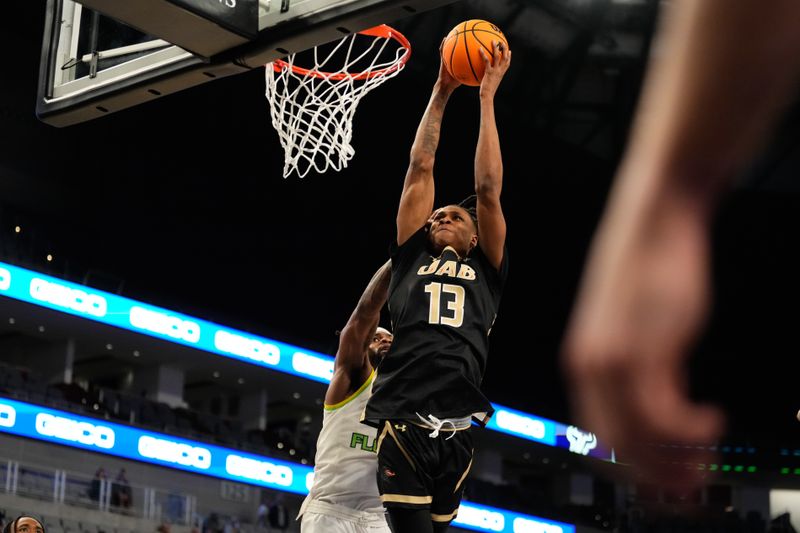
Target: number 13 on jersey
{"points": [[453, 315]]}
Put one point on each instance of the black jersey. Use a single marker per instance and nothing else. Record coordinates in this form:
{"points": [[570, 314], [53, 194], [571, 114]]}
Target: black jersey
{"points": [[442, 309]]}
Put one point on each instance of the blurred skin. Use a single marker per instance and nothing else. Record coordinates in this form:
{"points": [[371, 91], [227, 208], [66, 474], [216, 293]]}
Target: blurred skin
{"points": [[706, 104], [29, 525]]}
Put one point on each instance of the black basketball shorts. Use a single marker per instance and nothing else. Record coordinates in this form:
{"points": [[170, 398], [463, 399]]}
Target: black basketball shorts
{"points": [[416, 471]]}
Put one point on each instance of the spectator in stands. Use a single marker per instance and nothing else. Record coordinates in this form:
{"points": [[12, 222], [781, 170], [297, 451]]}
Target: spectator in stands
{"points": [[121, 493], [163, 528], [24, 524], [232, 525], [262, 515], [278, 514], [94, 487], [212, 525]]}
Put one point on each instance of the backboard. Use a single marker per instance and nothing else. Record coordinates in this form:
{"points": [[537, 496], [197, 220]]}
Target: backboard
{"points": [[102, 56]]}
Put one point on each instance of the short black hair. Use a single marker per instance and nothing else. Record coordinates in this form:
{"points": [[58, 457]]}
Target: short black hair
{"points": [[470, 205]]}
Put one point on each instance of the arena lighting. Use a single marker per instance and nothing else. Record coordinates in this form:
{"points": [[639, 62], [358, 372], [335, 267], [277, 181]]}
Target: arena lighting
{"points": [[100, 306], [76, 431], [113, 310], [484, 518]]}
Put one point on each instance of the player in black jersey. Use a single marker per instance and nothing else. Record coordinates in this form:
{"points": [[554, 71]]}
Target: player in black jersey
{"points": [[448, 272]]}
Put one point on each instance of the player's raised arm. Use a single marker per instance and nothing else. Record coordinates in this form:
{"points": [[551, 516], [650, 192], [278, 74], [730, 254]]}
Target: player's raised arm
{"points": [[416, 201], [352, 362], [489, 160]]}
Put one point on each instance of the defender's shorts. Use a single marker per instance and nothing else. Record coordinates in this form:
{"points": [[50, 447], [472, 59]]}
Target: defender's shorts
{"points": [[322, 517]]}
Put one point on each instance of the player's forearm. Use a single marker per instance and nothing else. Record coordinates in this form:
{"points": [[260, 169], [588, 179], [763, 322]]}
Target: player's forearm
{"points": [[374, 296], [488, 158], [358, 331], [426, 141], [721, 72]]}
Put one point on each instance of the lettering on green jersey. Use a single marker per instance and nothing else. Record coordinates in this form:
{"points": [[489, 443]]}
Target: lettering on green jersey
{"points": [[362, 441]]}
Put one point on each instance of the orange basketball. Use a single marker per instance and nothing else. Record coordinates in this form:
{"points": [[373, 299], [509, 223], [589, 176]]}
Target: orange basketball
{"points": [[460, 49]]}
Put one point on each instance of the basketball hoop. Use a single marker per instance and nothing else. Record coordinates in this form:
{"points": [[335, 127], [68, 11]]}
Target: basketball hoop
{"points": [[312, 108]]}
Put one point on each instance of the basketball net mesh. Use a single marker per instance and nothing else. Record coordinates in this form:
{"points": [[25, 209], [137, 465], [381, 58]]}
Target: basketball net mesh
{"points": [[312, 109]]}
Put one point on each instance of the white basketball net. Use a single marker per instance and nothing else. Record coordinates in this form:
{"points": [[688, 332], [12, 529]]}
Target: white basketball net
{"points": [[312, 110]]}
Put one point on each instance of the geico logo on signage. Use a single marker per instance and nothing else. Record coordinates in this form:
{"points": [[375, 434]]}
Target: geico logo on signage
{"points": [[521, 424], [264, 471], [8, 416], [482, 518], [75, 299], [310, 480], [174, 452], [5, 279], [254, 349], [164, 324], [312, 366], [524, 525], [71, 430]]}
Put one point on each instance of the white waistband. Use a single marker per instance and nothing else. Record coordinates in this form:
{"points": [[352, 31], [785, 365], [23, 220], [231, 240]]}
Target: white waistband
{"points": [[432, 422], [340, 511]]}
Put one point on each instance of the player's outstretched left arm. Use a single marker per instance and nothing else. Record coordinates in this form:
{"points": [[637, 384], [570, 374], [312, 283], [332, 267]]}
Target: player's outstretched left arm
{"points": [[351, 366], [489, 160]]}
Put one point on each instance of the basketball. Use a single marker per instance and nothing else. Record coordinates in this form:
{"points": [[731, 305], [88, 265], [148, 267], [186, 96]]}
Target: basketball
{"points": [[460, 50]]}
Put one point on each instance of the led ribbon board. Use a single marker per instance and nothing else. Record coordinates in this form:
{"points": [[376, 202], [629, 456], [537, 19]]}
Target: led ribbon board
{"points": [[68, 429], [113, 310], [544, 431], [484, 518]]}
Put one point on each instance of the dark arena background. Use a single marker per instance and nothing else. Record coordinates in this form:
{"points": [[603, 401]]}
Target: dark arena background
{"points": [[175, 212]]}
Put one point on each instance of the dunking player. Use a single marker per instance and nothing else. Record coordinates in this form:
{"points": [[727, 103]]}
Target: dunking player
{"points": [[344, 497], [444, 295]]}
